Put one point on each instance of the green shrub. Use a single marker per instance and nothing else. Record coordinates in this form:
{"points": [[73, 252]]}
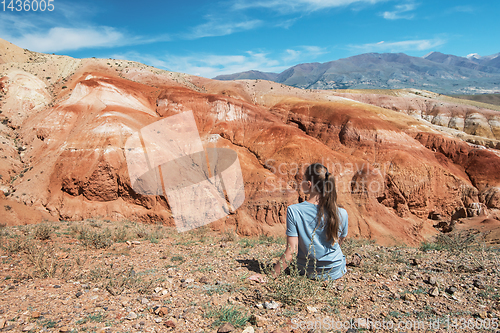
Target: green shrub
{"points": [[43, 261], [291, 288], [238, 317], [247, 242], [96, 239], [219, 289], [156, 234], [429, 246], [121, 235], [177, 258], [264, 239], [141, 231]]}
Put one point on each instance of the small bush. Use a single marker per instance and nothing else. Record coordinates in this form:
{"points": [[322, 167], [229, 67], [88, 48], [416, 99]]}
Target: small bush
{"points": [[44, 261], [247, 242], [264, 239], [238, 317], [156, 234], [144, 232], [75, 229], [97, 318], [121, 235], [453, 242], [14, 246], [95, 224], [42, 231], [117, 281], [229, 236], [48, 323], [219, 289], [177, 258], [96, 239], [429, 246], [293, 288], [141, 231]]}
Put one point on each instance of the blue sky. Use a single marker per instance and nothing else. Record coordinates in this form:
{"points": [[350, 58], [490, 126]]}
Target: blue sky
{"points": [[209, 38]]}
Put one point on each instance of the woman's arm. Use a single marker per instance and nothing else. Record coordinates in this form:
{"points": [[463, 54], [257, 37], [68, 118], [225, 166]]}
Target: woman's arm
{"points": [[341, 240], [291, 249]]}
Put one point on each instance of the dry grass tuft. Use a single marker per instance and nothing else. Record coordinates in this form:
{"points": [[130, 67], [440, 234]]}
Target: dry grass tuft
{"points": [[42, 231]]}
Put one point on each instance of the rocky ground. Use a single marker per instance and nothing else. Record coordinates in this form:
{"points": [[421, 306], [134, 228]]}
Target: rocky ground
{"points": [[102, 276]]}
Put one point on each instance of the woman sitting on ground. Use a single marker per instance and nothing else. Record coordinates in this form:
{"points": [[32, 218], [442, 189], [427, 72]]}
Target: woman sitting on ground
{"points": [[315, 229]]}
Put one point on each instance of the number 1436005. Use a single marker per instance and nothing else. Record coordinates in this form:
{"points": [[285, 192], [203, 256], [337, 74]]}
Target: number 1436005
{"points": [[28, 5]]}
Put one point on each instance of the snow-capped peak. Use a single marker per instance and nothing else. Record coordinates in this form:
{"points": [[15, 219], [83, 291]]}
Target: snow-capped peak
{"points": [[429, 54], [473, 56], [493, 56]]}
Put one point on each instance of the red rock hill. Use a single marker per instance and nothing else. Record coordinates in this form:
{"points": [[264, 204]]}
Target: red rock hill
{"points": [[65, 122]]}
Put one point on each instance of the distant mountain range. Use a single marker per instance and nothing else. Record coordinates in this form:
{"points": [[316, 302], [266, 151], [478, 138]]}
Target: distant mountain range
{"points": [[438, 72]]}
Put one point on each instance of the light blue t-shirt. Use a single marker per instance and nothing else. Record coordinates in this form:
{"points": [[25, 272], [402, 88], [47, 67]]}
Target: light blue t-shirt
{"points": [[301, 222]]}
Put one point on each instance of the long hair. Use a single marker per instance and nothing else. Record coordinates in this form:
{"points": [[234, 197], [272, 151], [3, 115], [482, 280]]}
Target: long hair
{"points": [[324, 183]]}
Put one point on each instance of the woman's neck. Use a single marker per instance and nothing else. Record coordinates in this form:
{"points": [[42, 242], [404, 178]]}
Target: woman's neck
{"points": [[314, 198]]}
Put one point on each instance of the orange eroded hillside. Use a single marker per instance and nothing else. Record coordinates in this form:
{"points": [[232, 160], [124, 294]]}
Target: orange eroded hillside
{"points": [[65, 123]]}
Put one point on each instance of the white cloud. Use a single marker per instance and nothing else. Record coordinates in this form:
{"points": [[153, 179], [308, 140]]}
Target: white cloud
{"points": [[303, 52], [64, 39], [463, 9], [211, 65], [287, 23], [298, 5], [401, 46], [400, 12], [291, 55], [64, 31], [217, 27], [314, 50]]}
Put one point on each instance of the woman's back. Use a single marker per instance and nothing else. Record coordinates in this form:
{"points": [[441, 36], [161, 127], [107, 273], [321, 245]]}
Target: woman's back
{"points": [[315, 250], [316, 245]]}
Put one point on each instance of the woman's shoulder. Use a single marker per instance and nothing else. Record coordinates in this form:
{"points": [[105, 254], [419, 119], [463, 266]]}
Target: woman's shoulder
{"points": [[342, 212], [304, 205]]}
